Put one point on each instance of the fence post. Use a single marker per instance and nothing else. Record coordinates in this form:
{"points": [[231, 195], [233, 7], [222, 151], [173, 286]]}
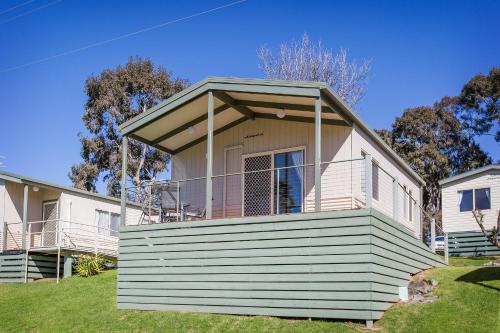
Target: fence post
{"points": [[210, 156], [317, 154], [4, 236], [368, 181], [433, 235], [395, 199], [177, 203], [278, 191], [123, 194], [25, 216], [446, 251]]}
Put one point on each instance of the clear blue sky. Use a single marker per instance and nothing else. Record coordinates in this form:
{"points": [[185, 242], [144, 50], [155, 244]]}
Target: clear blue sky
{"points": [[421, 51]]}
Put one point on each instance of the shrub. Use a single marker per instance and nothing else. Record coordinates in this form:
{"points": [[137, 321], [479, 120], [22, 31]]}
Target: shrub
{"points": [[88, 265]]}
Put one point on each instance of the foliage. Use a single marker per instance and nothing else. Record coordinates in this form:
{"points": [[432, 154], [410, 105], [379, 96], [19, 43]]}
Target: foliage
{"points": [[89, 265], [89, 305], [478, 105], [306, 61], [436, 142], [113, 97]]}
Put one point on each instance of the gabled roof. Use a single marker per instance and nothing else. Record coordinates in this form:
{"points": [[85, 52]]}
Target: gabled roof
{"points": [[15, 178], [475, 172], [165, 126]]}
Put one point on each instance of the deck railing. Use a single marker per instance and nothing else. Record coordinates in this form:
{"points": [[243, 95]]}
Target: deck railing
{"points": [[279, 190], [51, 235]]}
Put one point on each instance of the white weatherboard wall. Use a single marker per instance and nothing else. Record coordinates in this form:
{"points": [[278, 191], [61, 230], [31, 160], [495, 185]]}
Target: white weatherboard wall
{"points": [[80, 208], [75, 207], [361, 142], [339, 143], [2, 205], [456, 221]]}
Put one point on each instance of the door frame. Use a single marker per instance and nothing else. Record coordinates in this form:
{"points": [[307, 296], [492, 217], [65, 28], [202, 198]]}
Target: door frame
{"points": [[272, 153], [44, 203], [224, 189]]}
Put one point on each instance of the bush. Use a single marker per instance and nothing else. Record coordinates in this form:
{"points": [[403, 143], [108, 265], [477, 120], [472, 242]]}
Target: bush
{"points": [[88, 265]]}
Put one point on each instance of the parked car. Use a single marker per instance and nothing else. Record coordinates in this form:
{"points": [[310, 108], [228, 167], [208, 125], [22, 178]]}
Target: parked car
{"points": [[439, 243]]}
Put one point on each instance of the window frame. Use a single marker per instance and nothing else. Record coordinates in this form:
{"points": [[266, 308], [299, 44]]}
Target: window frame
{"points": [[108, 213], [475, 198], [375, 187], [474, 206], [411, 202], [375, 182]]}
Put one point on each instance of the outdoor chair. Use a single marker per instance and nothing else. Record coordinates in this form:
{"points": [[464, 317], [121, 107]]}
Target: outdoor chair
{"points": [[172, 209]]}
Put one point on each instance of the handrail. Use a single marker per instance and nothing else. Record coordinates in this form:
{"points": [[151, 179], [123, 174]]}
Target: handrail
{"points": [[65, 234], [148, 183]]}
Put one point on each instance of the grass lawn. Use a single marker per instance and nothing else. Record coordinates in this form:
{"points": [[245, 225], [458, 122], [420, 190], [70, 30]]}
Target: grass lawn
{"points": [[469, 301]]}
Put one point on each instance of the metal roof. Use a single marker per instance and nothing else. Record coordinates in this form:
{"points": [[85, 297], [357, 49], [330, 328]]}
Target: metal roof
{"points": [[12, 177], [141, 128], [470, 173]]}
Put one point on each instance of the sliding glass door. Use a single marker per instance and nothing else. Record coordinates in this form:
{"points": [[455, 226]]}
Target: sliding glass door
{"points": [[278, 191]]}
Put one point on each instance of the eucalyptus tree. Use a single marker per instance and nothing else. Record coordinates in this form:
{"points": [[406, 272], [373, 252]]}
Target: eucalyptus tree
{"points": [[113, 97]]}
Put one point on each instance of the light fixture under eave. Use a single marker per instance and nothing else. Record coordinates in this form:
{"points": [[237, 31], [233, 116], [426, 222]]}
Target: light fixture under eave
{"points": [[281, 113], [191, 130], [35, 189]]}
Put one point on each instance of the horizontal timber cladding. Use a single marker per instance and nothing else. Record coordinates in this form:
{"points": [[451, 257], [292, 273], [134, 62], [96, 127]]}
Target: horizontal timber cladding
{"points": [[13, 267], [468, 244], [346, 265]]}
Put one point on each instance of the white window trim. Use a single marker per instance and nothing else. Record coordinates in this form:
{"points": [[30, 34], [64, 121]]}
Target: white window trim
{"points": [[474, 199], [108, 212]]}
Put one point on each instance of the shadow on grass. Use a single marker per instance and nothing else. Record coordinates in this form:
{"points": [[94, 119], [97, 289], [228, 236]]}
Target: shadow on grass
{"points": [[481, 275]]}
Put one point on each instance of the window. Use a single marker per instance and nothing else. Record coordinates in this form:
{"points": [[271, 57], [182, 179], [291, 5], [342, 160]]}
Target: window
{"points": [[107, 223], [482, 198], [469, 200], [114, 224], [465, 200], [410, 206], [375, 189], [406, 202]]}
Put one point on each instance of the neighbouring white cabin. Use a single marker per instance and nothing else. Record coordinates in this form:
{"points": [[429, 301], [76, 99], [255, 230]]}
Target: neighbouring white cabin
{"points": [[476, 189], [462, 194], [57, 217]]}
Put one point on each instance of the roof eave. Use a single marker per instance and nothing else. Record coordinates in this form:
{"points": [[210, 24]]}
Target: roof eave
{"points": [[469, 174], [294, 88], [55, 187]]}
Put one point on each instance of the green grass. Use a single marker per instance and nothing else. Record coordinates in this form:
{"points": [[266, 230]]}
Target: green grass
{"points": [[469, 300]]}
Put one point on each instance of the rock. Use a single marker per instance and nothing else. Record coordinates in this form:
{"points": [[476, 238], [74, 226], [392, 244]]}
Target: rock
{"points": [[419, 289]]}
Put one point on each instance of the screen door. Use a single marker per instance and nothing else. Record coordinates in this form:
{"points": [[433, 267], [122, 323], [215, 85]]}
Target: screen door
{"points": [[49, 232], [257, 185]]}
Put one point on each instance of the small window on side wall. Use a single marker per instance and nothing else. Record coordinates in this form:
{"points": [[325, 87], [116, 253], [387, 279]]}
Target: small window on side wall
{"points": [[375, 188], [114, 224], [465, 201], [411, 202], [482, 198]]}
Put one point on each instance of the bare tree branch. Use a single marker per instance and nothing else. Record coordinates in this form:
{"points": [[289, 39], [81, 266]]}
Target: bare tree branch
{"points": [[306, 61], [492, 236]]}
